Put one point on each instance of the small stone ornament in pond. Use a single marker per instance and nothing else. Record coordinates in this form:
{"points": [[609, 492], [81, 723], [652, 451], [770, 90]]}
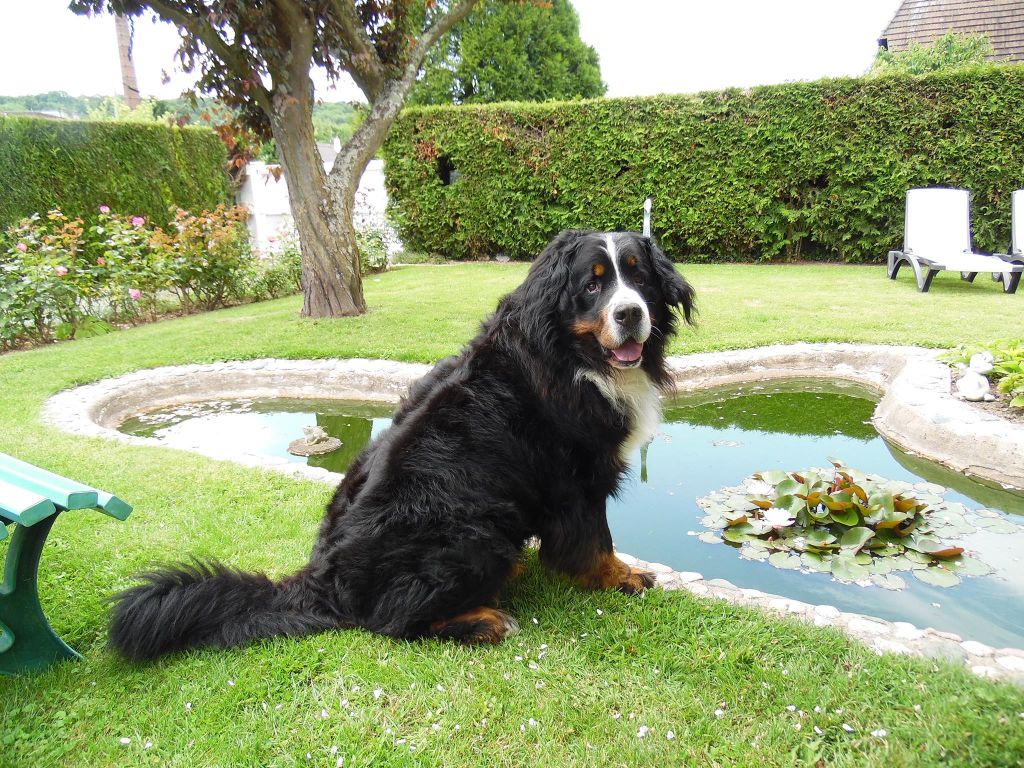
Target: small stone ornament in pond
{"points": [[315, 443], [860, 528], [973, 384]]}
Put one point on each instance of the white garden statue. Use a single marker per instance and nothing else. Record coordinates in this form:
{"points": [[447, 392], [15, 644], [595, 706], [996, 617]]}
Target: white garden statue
{"points": [[973, 385]]}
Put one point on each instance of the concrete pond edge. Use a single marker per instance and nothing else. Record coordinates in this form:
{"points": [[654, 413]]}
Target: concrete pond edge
{"points": [[916, 412]]}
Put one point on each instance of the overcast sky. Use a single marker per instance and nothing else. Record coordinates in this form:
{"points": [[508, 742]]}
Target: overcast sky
{"points": [[645, 46]]}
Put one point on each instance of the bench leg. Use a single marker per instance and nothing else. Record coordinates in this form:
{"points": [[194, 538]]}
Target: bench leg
{"points": [[1010, 281], [968, 276], [33, 645]]}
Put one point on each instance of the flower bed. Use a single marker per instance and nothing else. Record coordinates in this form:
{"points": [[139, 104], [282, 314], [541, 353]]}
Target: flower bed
{"points": [[62, 277]]}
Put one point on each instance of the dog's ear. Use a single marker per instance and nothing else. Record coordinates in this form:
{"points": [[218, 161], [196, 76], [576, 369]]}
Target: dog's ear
{"points": [[544, 295], [549, 273], [677, 292]]}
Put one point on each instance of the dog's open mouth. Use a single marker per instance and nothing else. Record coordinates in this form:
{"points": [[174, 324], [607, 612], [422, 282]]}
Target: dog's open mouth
{"points": [[628, 355]]}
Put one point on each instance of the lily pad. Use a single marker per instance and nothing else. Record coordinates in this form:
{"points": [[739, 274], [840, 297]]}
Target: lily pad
{"points": [[847, 569], [889, 581], [934, 548], [968, 566], [858, 526], [940, 577], [855, 538], [917, 557], [846, 516], [737, 535], [739, 503], [784, 560], [733, 518], [709, 538], [999, 525], [816, 562]]}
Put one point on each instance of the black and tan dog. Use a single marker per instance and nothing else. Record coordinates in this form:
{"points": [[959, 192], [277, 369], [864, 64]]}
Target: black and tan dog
{"points": [[525, 433]]}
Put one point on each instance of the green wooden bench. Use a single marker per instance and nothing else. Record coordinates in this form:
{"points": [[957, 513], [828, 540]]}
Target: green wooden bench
{"points": [[30, 500]]}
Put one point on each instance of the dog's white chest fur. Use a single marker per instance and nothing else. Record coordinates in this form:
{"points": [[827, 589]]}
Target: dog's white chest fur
{"points": [[632, 392]]}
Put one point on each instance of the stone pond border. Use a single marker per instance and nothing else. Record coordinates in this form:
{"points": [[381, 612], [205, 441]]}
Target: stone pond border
{"points": [[916, 412]]}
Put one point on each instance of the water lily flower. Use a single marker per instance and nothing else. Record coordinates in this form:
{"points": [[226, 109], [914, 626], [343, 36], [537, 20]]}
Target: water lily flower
{"points": [[135, 294], [101, 262], [21, 247], [138, 221], [60, 270], [777, 518], [104, 209], [759, 488]]}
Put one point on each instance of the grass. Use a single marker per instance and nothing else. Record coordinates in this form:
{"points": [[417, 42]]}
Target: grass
{"points": [[574, 688]]}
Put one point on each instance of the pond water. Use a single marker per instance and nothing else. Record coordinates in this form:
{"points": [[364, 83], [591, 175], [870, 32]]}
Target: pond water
{"points": [[707, 441]]}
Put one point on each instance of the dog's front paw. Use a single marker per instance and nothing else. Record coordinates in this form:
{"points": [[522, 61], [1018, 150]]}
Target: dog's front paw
{"points": [[611, 573], [633, 581]]}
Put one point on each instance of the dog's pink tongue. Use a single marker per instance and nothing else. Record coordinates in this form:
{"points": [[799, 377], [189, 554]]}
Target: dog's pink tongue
{"points": [[629, 352]]}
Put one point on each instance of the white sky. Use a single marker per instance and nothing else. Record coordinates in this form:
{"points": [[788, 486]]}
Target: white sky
{"points": [[645, 46]]}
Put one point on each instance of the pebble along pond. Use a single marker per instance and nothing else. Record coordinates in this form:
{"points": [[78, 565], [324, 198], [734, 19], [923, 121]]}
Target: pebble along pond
{"points": [[708, 442]]}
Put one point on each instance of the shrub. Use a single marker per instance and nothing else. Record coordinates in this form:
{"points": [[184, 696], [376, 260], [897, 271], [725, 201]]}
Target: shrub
{"points": [[278, 273], [62, 279], [79, 166], [205, 257], [803, 170], [373, 249]]}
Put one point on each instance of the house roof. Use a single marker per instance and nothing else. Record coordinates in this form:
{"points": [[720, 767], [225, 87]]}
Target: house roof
{"points": [[923, 21]]}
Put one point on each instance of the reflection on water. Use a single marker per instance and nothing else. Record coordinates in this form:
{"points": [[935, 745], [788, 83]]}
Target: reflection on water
{"points": [[716, 440], [265, 427], [707, 442]]}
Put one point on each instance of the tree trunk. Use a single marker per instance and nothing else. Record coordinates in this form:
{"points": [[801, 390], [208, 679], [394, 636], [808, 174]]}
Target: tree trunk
{"points": [[331, 284]]}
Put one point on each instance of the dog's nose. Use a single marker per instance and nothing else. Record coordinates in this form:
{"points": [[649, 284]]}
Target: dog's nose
{"points": [[628, 315]]}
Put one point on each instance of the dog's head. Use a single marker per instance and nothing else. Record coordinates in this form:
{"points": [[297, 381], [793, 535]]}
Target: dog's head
{"points": [[612, 296]]}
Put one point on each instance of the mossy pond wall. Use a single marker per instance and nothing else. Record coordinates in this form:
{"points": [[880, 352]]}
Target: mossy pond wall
{"points": [[708, 441]]}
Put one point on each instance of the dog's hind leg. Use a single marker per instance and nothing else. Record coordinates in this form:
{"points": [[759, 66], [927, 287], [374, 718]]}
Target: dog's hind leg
{"points": [[480, 625], [580, 545]]}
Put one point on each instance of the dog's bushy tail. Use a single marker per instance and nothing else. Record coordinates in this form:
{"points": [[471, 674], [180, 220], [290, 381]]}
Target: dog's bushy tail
{"points": [[209, 604]]}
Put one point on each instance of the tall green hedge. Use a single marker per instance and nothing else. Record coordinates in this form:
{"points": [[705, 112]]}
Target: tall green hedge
{"points": [[134, 168], [804, 170]]}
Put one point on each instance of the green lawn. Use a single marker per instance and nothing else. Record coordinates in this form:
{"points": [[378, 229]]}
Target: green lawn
{"points": [[575, 687]]}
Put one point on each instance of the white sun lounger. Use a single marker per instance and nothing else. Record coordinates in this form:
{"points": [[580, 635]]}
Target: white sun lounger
{"points": [[937, 236], [1016, 254]]}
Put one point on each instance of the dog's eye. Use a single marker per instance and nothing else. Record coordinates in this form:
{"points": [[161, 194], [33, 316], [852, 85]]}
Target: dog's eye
{"points": [[593, 287]]}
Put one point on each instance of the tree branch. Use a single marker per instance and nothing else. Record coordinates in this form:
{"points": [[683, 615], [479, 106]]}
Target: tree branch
{"points": [[434, 33], [366, 67], [232, 55]]}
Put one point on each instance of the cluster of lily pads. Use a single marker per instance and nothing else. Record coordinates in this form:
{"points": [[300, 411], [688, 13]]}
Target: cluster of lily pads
{"points": [[859, 528]]}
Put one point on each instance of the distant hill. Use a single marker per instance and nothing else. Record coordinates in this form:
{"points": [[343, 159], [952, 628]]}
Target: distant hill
{"points": [[329, 120]]}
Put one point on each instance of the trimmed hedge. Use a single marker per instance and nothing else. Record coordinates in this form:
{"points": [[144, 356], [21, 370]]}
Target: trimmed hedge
{"points": [[134, 168], [804, 170]]}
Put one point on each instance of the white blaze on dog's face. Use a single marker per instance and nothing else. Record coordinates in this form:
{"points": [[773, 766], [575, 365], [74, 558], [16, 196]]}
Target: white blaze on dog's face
{"points": [[614, 311]]}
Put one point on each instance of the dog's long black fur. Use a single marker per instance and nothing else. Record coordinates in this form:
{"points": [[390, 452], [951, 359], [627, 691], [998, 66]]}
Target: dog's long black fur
{"points": [[511, 439]]}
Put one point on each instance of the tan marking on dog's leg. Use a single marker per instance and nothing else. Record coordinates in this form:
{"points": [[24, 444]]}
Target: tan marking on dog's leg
{"points": [[608, 572], [480, 625]]}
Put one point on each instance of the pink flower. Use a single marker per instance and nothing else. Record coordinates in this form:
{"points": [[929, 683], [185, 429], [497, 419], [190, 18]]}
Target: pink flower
{"points": [[21, 247], [138, 221], [101, 261], [135, 294], [104, 209], [61, 271]]}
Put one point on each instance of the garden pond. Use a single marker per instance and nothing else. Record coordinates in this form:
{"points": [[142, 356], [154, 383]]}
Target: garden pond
{"points": [[707, 442]]}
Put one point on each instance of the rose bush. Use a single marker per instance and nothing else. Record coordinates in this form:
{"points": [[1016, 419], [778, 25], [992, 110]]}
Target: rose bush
{"points": [[61, 277]]}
